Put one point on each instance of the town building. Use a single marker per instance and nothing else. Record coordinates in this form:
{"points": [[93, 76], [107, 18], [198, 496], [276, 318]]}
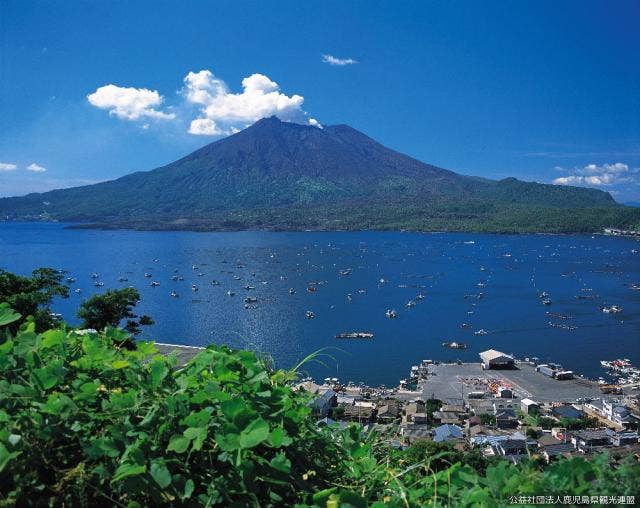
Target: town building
{"points": [[447, 433], [492, 359], [528, 406]]}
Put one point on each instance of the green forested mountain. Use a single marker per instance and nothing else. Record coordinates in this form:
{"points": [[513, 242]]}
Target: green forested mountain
{"points": [[283, 175]]}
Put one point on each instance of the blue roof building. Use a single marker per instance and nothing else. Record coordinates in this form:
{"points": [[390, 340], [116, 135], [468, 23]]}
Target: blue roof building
{"points": [[447, 433]]}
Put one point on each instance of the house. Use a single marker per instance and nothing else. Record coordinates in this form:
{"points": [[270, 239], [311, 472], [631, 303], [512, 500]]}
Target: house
{"points": [[585, 440], [325, 398], [490, 437], [499, 404], [617, 412], [412, 433], [554, 451], [529, 407], [624, 438], [506, 419], [505, 393], [447, 433], [492, 359], [450, 413], [473, 421], [324, 402], [511, 446], [415, 413], [362, 414], [388, 411], [613, 411], [346, 400], [442, 417], [567, 411]]}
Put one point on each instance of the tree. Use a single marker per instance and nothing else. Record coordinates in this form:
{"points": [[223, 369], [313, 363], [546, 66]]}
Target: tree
{"points": [[110, 308], [32, 296], [487, 419]]}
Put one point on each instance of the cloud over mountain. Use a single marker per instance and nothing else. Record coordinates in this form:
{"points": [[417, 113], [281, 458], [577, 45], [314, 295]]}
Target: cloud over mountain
{"points": [[224, 112], [597, 175]]}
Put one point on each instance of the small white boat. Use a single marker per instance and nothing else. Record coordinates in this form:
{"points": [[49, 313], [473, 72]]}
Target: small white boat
{"points": [[391, 313]]}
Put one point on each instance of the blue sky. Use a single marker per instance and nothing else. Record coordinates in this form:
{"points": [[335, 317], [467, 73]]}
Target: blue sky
{"points": [[545, 91]]}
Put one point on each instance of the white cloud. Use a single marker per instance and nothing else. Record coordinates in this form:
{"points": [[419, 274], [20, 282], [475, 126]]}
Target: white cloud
{"points": [[332, 60], [128, 103], [595, 175], [36, 168], [224, 112], [6, 166]]}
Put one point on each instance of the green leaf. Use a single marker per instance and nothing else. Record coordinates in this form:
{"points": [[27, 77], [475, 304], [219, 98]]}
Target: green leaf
{"points": [[197, 435], [52, 338], [230, 408], [128, 470], [158, 372], [228, 442], [198, 418], [6, 456], [189, 486], [119, 364], [254, 434], [50, 375], [281, 463], [160, 473], [178, 444], [8, 316]]}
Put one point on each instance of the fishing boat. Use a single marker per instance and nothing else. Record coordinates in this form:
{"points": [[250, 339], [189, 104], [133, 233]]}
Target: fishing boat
{"points": [[354, 335], [482, 331], [614, 309], [292, 291], [411, 303], [154, 283], [71, 279], [230, 293], [194, 287], [454, 345], [174, 294], [147, 275], [391, 313], [250, 299], [309, 314]]}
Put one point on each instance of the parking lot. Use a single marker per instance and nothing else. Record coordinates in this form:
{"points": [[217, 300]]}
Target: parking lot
{"points": [[453, 381]]}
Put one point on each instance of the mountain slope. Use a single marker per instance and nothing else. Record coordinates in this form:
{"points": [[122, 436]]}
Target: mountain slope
{"points": [[273, 173]]}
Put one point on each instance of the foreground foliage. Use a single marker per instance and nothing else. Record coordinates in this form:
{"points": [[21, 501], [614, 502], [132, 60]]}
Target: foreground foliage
{"points": [[85, 423], [32, 296]]}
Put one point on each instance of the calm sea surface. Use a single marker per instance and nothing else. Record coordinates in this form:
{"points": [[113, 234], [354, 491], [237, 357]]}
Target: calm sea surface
{"points": [[379, 271]]}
